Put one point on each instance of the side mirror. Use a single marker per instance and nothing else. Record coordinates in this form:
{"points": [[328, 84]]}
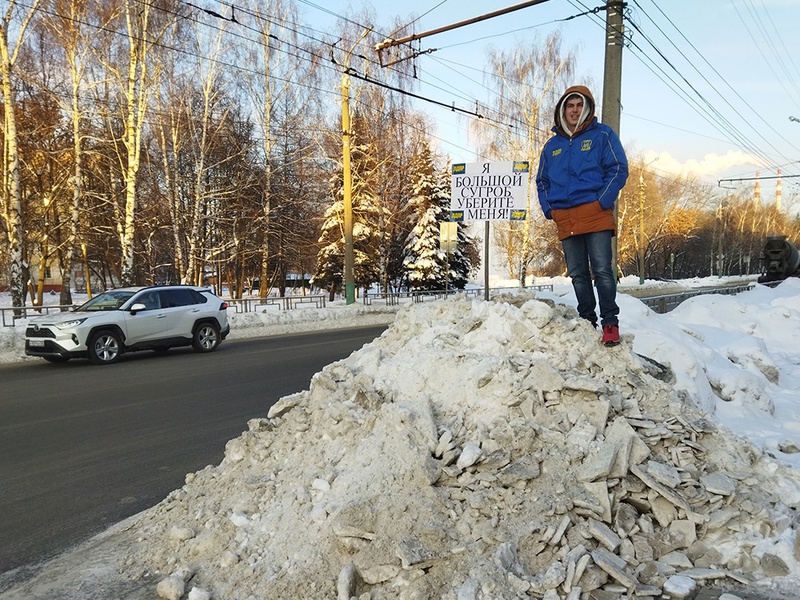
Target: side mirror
{"points": [[137, 307]]}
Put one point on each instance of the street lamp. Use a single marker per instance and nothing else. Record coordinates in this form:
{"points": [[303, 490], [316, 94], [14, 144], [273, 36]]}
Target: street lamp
{"points": [[44, 249], [795, 119], [641, 229]]}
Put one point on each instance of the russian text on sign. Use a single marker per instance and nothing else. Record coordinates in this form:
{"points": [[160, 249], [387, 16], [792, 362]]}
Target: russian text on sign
{"points": [[489, 191]]}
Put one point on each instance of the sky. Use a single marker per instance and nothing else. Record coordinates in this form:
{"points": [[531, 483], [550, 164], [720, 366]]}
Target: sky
{"points": [[734, 358], [708, 88]]}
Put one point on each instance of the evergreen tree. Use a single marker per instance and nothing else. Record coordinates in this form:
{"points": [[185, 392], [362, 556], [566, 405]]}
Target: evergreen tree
{"points": [[329, 273], [425, 263], [466, 259]]}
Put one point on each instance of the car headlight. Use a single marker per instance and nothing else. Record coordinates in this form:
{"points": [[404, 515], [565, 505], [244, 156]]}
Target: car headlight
{"points": [[69, 324]]}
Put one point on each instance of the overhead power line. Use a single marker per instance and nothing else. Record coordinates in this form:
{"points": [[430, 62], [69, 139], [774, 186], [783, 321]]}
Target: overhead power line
{"points": [[759, 178], [693, 64], [453, 108], [654, 58], [680, 83]]}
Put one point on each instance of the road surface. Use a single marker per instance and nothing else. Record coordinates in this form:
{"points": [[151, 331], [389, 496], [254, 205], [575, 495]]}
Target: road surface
{"points": [[84, 446]]}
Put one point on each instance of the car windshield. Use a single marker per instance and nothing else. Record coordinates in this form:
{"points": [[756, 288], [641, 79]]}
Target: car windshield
{"points": [[107, 301]]}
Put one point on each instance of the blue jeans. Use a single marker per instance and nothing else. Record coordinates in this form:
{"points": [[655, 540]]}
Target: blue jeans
{"points": [[579, 252]]}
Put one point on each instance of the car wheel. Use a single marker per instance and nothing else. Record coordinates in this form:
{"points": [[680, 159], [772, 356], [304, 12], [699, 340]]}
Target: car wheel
{"points": [[56, 359], [206, 337], [104, 348]]}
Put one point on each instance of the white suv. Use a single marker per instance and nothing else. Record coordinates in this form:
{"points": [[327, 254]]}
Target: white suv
{"points": [[130, 319]]}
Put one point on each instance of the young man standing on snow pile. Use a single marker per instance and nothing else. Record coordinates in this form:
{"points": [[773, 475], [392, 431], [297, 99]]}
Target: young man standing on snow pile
{"points": [[582, 169]]}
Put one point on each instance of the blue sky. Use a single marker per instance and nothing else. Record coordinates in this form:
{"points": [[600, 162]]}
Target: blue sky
{"points": [[708, 86]]}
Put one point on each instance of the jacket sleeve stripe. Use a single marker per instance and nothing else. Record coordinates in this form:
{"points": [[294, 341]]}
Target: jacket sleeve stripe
{"points": [[616, 182]]}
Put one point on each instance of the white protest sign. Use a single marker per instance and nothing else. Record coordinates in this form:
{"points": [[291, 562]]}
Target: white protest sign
{"points": [[489, 191]]}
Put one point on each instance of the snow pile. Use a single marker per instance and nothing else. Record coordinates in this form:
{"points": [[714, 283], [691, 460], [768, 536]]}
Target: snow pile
{"points": [[735, 356], [476, 450], [271, 321]]}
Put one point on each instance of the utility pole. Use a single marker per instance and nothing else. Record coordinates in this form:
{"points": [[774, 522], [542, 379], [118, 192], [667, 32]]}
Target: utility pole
{"points": [[347, 193], [612, 86], [347, 183]]}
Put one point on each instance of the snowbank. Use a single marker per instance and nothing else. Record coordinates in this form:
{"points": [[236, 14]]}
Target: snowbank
{"points": [[475, 450]]}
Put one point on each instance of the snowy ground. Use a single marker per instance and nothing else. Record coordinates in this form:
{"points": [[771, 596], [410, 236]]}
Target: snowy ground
{"points": [[442, 459]]}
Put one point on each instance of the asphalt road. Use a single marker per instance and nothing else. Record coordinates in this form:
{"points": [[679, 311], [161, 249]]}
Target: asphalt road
{"points": [[83, 447]]}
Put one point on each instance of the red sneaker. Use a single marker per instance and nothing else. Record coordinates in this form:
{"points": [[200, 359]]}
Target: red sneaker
{"points": [[610, 335]]}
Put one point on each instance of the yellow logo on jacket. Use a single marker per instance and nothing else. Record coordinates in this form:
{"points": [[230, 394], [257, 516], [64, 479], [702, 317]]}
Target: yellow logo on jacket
{"points": [[586, 145], [557, 151]]}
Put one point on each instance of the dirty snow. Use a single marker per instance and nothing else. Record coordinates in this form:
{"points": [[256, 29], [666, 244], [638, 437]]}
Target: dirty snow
{"points": [[496, 450]]}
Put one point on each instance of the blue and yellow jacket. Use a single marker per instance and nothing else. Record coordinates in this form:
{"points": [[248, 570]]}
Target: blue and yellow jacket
{"points": [[580, 175]]}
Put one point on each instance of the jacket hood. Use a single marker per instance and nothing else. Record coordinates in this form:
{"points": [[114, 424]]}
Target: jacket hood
{"points": [[586, 116]]}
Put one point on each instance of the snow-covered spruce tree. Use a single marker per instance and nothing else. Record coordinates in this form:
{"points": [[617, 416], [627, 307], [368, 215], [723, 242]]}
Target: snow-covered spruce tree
{"points": [[466, 260], [425, 263], [329, 273]]}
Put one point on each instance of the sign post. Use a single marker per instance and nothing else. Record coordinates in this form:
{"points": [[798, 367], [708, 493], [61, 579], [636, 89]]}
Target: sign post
{"points": [[448, 241], [489, 191]]}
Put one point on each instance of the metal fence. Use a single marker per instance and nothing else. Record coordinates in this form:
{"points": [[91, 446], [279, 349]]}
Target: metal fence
{"points": [[243, 305], [10, 315], [394, 298], [660, 304], [665, 303]]}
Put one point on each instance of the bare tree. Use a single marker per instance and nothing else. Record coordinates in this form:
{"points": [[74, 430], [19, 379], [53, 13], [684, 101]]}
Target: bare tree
{"points": [[527, 81], [136, 76], [11, 196], [44, 149], [67, 25], [281, 105], [266, 87], [650, 209], [206, 118], [170, 128]]}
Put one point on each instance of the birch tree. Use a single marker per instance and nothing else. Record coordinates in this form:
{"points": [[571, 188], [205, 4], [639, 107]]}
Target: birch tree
{"points": [[265, 87], [13, 27], [527, 81], [205, 129], [170, 131], [278, 92], [135, 71], [68, 26]]}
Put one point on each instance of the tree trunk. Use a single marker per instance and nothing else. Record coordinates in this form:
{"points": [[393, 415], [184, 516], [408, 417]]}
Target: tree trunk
{"points": [[13, 200], [77, 189]]}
